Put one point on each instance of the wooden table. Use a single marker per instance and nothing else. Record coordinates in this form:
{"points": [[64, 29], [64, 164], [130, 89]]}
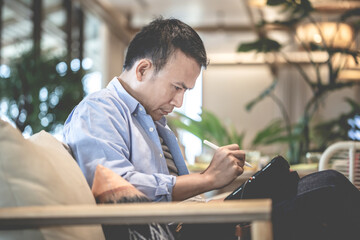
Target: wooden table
{"points": [[256, 211]]}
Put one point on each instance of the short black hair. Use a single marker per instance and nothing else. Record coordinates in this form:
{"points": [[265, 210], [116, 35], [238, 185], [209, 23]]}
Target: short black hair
{"points": [[162, 37]]}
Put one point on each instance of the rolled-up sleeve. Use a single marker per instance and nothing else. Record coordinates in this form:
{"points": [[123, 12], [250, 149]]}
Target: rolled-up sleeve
{"points": [[100, 131], [157, 187]]}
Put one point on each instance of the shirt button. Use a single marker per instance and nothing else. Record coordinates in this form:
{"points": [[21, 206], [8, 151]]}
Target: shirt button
{"points": [[135, 114], [140, 109], [161, 155], [151, 129]]}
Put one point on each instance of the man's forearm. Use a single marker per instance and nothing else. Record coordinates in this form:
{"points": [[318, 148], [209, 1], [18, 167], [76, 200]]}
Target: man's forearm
{"points": [[190, 185]]}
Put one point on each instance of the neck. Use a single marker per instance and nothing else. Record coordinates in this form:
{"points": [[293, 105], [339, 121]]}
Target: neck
{"points": [[128, 87]]}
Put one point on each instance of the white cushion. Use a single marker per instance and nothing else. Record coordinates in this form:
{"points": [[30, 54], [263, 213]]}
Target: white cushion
{"points": [[40, 171]]}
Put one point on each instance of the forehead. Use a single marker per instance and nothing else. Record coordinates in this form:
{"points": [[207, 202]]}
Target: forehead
{"points": [[181, 69]]}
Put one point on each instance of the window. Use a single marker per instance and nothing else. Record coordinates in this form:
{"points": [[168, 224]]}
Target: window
{"points": [[192, 108]]}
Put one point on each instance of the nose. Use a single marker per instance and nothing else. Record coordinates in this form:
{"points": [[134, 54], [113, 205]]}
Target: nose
{"points": [[177, 100]]}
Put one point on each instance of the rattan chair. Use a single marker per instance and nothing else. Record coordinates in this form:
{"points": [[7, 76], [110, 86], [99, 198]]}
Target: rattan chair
{"points": [[344, 157]]}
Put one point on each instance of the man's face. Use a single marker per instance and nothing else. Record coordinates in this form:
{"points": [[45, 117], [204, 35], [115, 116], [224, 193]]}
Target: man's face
{"points": [[164, 90]]}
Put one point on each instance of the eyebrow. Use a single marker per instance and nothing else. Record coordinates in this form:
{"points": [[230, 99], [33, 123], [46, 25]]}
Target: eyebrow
{"points": [[183, 85]]}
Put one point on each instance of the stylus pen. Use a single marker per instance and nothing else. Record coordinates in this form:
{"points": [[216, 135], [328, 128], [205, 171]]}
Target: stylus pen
{"points": [[213, 146]]}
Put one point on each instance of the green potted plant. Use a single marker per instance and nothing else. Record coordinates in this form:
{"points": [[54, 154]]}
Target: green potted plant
{"points": [[41, 91], [297, 135], [336, 129], [209, 127]]}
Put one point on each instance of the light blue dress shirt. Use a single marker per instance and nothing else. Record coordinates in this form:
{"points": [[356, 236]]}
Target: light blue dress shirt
{"points": [[112, 128]]}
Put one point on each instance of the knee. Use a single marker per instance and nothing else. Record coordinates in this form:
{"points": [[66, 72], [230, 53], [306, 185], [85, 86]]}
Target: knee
{"points": [[333, 177], [326, 178], [330, 173]]}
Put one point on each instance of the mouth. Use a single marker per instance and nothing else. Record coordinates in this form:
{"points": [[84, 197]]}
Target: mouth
{"points": [[165, 112]]}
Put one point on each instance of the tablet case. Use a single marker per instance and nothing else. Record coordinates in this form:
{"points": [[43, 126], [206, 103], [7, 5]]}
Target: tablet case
{"points": [[274, 181]]}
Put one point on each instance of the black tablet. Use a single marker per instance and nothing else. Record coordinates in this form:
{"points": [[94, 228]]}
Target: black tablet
{"points": [[274, 181]]}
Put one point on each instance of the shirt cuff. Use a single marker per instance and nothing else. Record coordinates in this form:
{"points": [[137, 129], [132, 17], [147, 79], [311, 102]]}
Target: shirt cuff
{"points": [[164, 188]]}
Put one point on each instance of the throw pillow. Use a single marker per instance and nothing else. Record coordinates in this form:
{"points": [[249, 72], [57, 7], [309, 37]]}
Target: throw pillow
{"points": [[109, 187], [40, 171]]}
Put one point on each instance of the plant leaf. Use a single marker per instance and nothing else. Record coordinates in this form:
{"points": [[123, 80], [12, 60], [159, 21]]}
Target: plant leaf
{"points": [[275, 2], [261, 45], [296, 8], [29, 75], [210, 127], [262, 95], [354, 105], [273, 129]]}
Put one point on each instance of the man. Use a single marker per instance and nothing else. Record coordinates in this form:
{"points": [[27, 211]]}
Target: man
{"points": [[124, 129], [121, 126]]}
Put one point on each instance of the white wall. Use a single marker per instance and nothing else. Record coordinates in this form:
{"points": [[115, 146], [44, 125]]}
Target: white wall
{"points": [[227, 89], [113, 55]]}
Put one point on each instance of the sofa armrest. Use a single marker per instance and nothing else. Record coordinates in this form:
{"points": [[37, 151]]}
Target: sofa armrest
{"points": [[256, 211]]}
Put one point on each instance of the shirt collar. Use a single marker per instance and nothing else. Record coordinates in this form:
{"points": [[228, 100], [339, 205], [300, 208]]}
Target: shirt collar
{"points": [[129, 100], [163, 121]]}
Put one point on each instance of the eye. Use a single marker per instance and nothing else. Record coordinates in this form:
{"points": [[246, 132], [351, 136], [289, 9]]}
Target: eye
{"points": [[177, 88]]}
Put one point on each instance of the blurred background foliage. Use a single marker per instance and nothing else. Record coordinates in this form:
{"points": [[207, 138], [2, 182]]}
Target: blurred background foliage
{"points": [[338, 128], [40, 91], [210, 127], [300, 136]]}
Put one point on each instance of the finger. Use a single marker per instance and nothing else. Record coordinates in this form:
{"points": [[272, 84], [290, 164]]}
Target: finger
{"points": [[239, 154], [240, 170], [232, 147], [237, 161], [240, 163]]}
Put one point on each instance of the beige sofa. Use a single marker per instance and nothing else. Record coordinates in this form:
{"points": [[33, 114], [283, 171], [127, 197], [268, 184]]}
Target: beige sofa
{"points": [[44, 195]]}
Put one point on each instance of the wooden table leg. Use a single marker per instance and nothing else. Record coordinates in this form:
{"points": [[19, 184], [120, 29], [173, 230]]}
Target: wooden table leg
{"points": [[261, 230]]}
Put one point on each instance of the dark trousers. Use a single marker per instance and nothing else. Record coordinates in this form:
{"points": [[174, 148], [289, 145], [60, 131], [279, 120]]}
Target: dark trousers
{"points": [[326, 207]]}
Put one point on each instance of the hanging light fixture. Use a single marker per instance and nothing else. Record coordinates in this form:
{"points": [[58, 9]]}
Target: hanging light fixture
{"points": [[333, 34], [334, 5], [351, 70], [320, 5], [257, 3]]}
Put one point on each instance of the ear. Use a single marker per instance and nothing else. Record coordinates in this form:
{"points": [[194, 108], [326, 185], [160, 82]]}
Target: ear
{"points": [[143, 68]]}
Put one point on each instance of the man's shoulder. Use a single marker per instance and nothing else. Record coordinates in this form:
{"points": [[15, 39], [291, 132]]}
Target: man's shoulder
{"points": [[102, 104], [103, 93], [104, 97]]}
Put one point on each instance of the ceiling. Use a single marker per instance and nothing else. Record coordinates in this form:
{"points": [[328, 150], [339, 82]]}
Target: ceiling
{"points": [[221, 24], [194, 12]]}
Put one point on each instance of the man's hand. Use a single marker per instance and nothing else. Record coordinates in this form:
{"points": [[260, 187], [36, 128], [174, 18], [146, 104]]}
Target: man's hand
{"points": [[227, 164]]}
